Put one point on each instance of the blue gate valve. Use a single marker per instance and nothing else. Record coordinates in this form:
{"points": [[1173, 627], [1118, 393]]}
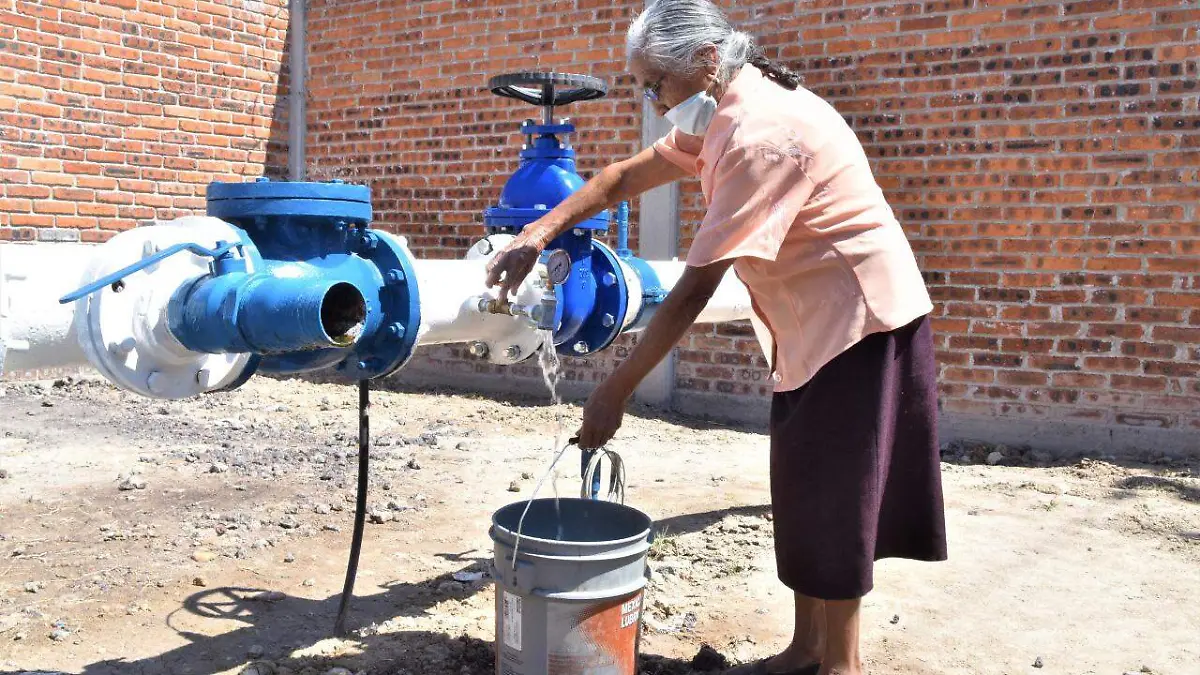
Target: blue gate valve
{"points": [[593, 298]]}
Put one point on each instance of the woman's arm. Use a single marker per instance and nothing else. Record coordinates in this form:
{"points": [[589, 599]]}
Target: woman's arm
{"points": [[606, 406], [615, 183]]}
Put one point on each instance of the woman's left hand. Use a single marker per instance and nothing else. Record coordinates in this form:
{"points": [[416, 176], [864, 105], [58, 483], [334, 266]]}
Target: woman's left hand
{"points": [[602, 415]]}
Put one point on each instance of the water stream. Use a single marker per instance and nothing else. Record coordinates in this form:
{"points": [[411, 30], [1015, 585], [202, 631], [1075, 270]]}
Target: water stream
{"points": [[551, 374]]}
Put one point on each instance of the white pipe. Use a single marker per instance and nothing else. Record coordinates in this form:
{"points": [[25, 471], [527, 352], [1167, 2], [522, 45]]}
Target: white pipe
{"points": [[730, 302], [450, 291], [36, 332]]}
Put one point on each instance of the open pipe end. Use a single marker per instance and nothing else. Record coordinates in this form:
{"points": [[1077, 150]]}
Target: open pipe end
{"points": [[343, 314], [286, 314]]}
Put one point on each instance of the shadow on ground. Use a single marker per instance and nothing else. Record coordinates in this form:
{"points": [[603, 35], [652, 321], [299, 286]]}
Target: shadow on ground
{"points": [[1187, 491], [281, 625], [962, 452], [293, 623], [297, 623], [539, 399], [695, 522]]}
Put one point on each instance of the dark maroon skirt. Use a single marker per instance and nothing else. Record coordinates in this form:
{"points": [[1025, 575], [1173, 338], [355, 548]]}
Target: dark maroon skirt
{"points": [[855, 466]]}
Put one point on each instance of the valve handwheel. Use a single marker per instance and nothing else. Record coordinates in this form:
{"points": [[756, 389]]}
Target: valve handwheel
{"points": [[548, 89]]}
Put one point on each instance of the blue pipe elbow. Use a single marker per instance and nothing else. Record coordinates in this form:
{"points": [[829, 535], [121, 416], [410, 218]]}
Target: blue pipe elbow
{"points": [[266, 314], [332, 293], [283, 315]]}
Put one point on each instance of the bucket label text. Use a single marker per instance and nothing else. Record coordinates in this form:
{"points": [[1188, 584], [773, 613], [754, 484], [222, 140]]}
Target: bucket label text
{"points": [[628, 620], [512, 621]]}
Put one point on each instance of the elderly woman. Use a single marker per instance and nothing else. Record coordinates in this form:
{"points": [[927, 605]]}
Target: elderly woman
{"points": [[841, 312]]}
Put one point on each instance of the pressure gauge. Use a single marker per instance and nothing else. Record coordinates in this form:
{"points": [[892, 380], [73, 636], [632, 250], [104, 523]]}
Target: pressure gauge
{"points": [[558, 266]]}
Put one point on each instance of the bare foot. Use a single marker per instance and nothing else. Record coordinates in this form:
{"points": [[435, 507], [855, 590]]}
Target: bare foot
{"points": [[841, 670], [792, 659], [789, 662]]}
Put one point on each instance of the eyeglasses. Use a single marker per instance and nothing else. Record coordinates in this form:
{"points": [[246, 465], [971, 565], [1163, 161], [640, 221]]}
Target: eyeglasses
{"points": [[651, 91]]}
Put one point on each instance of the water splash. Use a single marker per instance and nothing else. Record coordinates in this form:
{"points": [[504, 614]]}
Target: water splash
{"points": [[551, 368]]}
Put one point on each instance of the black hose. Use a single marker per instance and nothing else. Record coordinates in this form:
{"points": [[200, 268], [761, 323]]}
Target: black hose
{"points": [[360, 507]]}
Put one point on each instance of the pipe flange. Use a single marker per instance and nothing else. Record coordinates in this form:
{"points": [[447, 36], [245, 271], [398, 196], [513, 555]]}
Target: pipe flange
{"points": [[522, 341], [243, 203], [608, 316], [387, 349], [123, 328], [650, 292]]}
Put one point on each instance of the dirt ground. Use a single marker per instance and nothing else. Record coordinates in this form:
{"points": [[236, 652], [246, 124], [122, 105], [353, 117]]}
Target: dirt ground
{"points": [[210, 536]]}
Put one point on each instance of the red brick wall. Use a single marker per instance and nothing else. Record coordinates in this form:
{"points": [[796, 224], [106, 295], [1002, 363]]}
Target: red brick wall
{"points": [[1041, 155], [1043, 158], [399, 101], [116, 112]]}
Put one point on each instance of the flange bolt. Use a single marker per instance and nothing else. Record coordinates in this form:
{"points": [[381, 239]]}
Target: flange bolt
{"points": [[369, 241]]}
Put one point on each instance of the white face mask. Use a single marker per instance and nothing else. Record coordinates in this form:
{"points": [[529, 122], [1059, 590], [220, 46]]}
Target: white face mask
{"points": [[693, 116]]}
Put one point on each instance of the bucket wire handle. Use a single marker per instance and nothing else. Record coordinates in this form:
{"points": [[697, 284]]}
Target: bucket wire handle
{"points": [[591, 479], [521, 522]]}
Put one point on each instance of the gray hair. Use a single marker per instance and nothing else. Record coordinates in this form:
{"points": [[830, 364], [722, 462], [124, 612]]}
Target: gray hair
{"points": [[669, 35]]}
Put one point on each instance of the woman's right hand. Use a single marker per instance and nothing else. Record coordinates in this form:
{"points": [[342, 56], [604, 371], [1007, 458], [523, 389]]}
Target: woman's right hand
{"points": [[514, 262]]}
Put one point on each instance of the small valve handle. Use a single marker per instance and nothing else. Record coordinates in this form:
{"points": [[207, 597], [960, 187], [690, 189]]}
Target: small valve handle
{"points": [[220, 251], [548, 89]]}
